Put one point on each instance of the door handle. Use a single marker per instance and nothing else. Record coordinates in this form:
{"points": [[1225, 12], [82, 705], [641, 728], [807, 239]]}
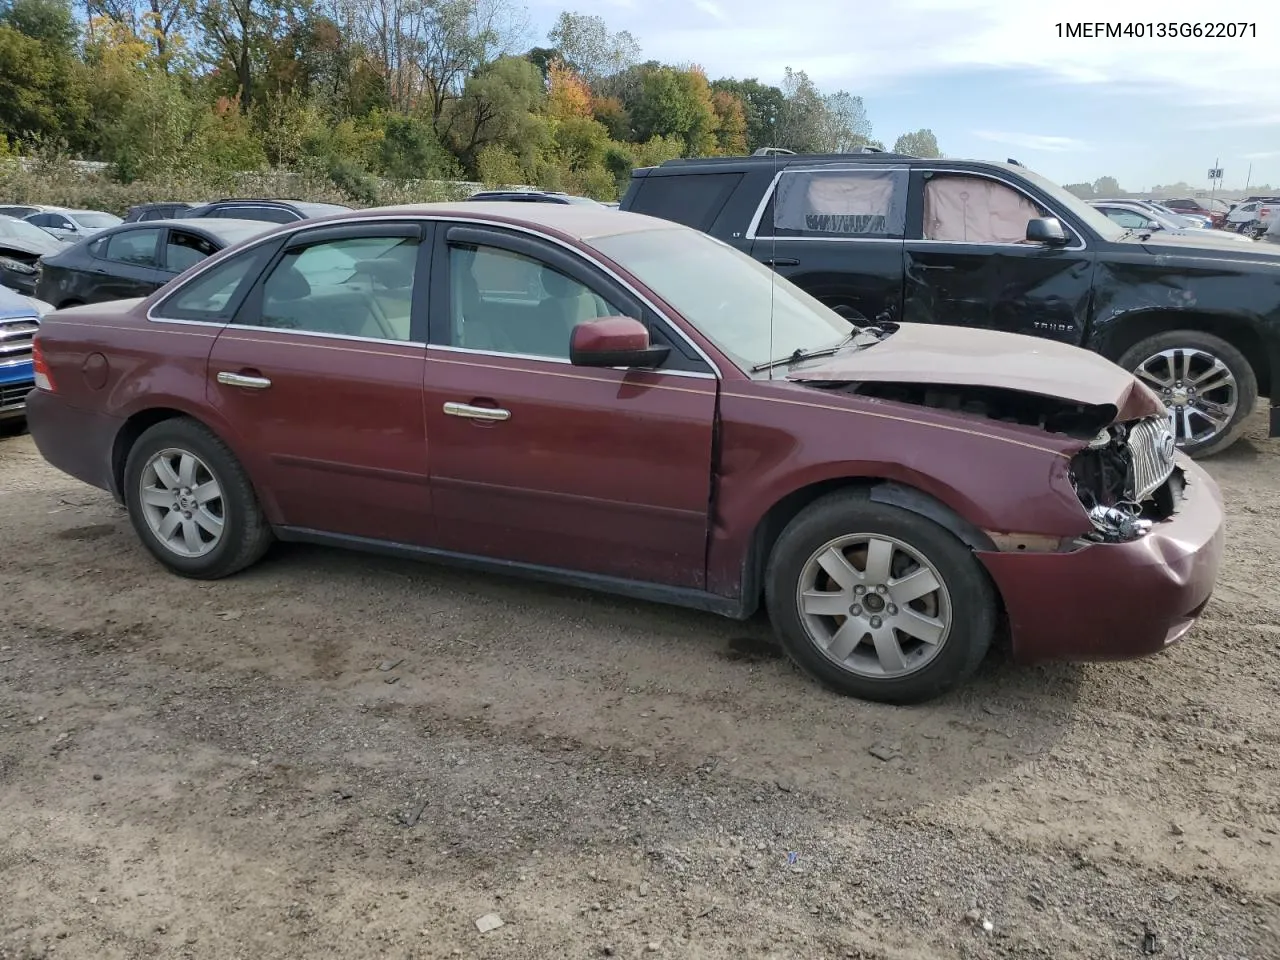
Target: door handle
{"points": [[935, 266], [476, 413], [781, 262], [242, 380]]}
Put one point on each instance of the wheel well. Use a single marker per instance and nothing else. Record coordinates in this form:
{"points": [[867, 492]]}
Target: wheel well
{"points": [[133, 428], [878, 489], [1234, 330], [73, 302]]}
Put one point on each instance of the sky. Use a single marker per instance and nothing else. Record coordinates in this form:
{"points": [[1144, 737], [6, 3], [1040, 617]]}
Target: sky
{"points": [[994, 80]]}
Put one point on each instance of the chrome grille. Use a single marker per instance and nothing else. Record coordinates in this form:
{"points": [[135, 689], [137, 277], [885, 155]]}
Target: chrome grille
{"points": [[16, 334], [1151, 448], [14, 395]]}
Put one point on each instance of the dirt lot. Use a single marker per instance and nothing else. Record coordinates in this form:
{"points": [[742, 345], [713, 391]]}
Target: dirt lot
{"points": [[338, 756]]}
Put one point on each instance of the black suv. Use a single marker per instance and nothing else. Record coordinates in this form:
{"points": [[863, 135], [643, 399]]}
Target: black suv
{"points": [[888, 237], [273, 211]]}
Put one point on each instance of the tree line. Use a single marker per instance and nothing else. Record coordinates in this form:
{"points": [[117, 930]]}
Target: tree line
{"points": [[362, 91]]}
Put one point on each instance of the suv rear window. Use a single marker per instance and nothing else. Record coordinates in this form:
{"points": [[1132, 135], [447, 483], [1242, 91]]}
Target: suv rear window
{"points": [[692, 199]]}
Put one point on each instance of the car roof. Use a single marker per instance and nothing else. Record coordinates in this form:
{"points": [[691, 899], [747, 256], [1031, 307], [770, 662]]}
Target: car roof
{"points": [[232, 231], [577, 221]]}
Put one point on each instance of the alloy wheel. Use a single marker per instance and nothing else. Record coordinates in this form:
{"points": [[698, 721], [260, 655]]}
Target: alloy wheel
{"points": [[1197, 387], [874, 605], [182, 502]]}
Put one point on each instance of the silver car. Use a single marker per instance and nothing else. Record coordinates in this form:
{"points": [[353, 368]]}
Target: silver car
{"points": [[1136, 217]]}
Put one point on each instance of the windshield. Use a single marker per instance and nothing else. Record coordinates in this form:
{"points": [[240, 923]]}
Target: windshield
{"points": [[96, 221], [1096, 219], [21, 230], [750, 313]]}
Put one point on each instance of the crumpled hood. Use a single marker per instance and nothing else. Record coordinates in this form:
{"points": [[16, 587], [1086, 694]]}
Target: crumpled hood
{"points": [[926, 353]]}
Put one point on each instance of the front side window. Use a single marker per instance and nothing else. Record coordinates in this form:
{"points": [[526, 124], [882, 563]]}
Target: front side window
{"points": [[505, 302], [967, 209], [350, 287], [861, 204], [748, 311], [135, 247]]}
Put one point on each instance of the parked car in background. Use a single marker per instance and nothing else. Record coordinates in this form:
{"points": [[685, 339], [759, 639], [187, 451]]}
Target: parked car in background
{"points": [[134, 259], [1211, 207], [21, 247], [73, 224], [19, 320], [531, 196], [1252, 217], [1132, 216], [1184, 218], [884, 237], [22, 210], [571, 383], [271, 211], [156, 211]]}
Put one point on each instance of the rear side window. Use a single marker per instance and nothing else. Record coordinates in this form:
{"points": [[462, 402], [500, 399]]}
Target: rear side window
{"points": [[186, 250], [215, 295], [837, 204], [694, 199]]}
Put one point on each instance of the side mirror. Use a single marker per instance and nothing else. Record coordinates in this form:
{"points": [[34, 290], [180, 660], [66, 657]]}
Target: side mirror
{"points": [[1046, 230], [614, 342], [1154, 225]]}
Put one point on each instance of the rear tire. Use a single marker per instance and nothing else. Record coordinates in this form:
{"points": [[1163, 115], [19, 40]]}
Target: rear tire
{"points": [[1212, 363], [907, 615], [191, 502]]}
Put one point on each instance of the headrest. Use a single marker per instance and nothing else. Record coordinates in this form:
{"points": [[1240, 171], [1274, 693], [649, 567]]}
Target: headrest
{"points": [[390, 273], [287, 284], [558, 285]]}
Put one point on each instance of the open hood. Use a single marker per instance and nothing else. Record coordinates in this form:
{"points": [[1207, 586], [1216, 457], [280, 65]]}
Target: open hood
{"points": [[925, 353]]}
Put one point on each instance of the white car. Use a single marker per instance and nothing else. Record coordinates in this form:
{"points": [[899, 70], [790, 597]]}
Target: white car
{"points": [[1136, 217], [73, 224], [1253, 216]]}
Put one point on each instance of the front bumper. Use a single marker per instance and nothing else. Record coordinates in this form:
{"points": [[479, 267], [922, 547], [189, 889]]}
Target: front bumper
{"points": [[1116, 601], [77, 442], [16, 382]]}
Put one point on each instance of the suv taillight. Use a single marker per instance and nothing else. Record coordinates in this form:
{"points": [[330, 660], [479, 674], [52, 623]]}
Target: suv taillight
{"points": [[43, 379]]}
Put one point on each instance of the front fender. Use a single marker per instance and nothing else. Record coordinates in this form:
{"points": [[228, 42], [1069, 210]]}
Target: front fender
{"points": [[996, 479]]}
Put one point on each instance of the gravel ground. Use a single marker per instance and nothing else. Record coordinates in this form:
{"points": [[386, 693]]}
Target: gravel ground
{"points": [[338, 756]]}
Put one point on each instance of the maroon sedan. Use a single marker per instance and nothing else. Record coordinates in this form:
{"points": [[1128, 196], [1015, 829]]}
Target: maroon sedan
{"points": [[609, 400]]}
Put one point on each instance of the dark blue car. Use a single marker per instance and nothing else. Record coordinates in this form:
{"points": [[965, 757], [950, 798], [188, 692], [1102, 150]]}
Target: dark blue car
{"points": [[19, 320]]}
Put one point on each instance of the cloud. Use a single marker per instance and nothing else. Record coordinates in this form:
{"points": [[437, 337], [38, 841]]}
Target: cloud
{"points": [[870, 47], [1260, 155], [1034, 141]]}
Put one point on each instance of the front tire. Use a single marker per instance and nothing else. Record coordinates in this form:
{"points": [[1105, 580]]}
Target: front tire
{"points": [[1207, 384], [877, 602], [191, 502]]}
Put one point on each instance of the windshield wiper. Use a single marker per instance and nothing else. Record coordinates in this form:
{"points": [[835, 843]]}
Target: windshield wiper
{"points": [[799, 354]]}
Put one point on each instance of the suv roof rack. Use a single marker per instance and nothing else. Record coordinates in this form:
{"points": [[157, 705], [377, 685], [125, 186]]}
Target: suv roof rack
{"points": [[757, 157]]}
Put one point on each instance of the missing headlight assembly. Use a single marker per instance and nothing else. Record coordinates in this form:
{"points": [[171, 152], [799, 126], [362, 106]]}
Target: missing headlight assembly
{"points": [[1127, 479]]}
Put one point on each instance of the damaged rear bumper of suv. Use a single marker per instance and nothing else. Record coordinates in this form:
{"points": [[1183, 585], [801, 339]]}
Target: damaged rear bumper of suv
{"points": [[1116, 600]]}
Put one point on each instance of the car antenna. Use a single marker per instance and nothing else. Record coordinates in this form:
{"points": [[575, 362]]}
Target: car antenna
{"points": [[774, 153]]}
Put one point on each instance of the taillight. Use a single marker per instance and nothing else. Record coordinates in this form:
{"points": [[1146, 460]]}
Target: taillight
{"points": [[44, 381]]}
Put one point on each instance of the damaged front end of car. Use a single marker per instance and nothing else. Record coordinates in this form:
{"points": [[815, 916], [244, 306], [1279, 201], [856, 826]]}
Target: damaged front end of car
{"points": [[1124, 471], [1128, 479]]}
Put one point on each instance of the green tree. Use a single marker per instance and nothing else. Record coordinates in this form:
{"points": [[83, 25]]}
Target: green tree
{"points": [[588, 46], [844, 125], [1107, 187], [410, 150], [921, 143], [49, 21], [762, 105], [497, 106], [1082, 190], [43, 91]]}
